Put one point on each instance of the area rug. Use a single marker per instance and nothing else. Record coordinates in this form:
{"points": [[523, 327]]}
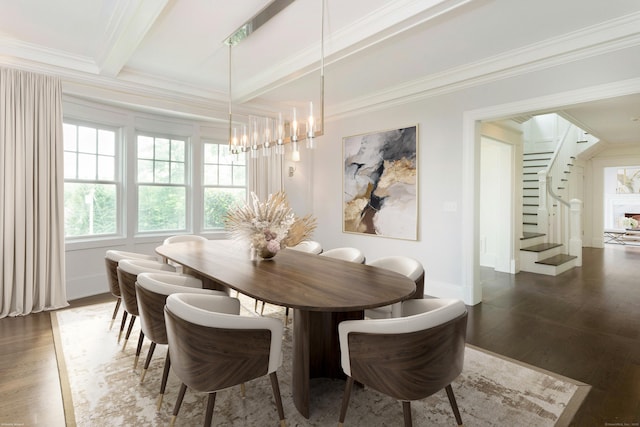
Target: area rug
{"points": [[101, 388]]}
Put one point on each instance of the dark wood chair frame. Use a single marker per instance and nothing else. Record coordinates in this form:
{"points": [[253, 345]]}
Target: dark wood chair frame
{"points": [[114, 288], [127, 283], [151, 312], [208, 359], [408, 366]]}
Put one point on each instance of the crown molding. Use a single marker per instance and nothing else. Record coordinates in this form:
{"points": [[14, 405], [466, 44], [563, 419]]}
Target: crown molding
{"points": [[129, 23], [373, 28], [26, 55], [602, 38]]}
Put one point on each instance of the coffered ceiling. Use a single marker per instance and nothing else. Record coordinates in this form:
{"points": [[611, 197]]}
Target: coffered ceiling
{"points": [[169, 55]]}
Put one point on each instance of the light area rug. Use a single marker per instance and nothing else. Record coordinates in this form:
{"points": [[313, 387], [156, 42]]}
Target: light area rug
{"points": [[101, 388]]}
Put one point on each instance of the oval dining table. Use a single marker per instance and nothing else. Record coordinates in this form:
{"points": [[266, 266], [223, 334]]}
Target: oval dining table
{"points": [[322, 292]]}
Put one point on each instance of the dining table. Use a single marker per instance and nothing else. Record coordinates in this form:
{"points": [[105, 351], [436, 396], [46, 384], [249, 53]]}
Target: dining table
{"points": [[322, 291]]}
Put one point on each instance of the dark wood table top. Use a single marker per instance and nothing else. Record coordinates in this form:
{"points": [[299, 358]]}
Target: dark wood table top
{"points": [[292, 278]]}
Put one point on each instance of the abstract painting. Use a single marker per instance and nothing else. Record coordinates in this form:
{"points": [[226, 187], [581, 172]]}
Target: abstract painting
{"points": [[380, 183]]}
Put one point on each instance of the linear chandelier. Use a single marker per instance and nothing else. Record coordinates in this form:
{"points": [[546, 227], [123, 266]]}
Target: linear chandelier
{"points": [[262, 133]]}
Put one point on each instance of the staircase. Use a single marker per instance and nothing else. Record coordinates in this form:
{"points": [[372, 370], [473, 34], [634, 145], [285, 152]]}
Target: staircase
{"points": [[539, 257], [532, 164], [538, 252]]}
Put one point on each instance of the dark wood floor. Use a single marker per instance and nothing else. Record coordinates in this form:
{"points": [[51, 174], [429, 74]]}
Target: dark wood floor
{"points": [[584, 324]]}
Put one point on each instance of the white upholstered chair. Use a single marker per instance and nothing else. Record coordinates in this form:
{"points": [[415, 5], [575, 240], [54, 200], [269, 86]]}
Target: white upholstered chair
{"points": [[406, 266], [128, 271], [152, 290], [399, 367], [346, 254], [182, 238], [239, 348], [309, 246], [112, 257]]}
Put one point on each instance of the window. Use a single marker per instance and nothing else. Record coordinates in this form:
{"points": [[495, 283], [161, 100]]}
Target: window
{"points": [[90, 181], [224, 183], [162, 184]]}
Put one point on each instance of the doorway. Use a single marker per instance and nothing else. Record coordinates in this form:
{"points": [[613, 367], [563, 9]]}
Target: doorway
{"points": [[496, 205]]}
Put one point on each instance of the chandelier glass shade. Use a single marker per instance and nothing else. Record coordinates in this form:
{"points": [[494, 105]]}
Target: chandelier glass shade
{"points": [[258, 133]]}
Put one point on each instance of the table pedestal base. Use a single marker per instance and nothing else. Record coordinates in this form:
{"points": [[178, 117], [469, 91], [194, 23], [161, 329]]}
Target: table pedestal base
{"points": [[316, 351]]}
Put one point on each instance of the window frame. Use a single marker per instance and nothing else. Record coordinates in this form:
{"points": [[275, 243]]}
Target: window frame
{"points": [[118, 178], [187, 183]]}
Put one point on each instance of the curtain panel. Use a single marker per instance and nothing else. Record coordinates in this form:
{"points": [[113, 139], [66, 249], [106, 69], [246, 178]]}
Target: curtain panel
{"points": [[32, 193], [266, 174]]}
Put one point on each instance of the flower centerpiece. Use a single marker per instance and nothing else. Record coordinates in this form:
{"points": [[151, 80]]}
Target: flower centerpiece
{"points": [[268, 226], [630, 223]]}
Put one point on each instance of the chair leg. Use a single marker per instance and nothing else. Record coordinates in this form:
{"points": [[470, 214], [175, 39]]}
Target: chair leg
{"points": [[286, 316], [124, 322], [165, 376], [115, 310], [138, 350], [454, 404], [406, 411], [211, 402], [176, 409], [276, 395], [262, 309], [147, 361], [126, 337], [345, 401]]}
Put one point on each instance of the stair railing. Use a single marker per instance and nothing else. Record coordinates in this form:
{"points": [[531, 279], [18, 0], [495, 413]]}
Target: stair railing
{"points": [[565, 227]]}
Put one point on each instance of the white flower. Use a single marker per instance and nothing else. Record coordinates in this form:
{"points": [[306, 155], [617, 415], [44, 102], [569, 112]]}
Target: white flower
{"points": [[630, 223]]}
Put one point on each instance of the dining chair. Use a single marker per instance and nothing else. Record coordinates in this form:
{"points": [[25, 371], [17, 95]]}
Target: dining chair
{"points": [[239, 348], [184, 238], [152, 290], [408, 358], [308, 246], [178, 238], [406, 266], [128, 270], [112, 257], [347, 254]]}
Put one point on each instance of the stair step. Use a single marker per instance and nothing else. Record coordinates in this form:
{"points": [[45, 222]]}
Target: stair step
{"points": [[538, 152], [557, 260], [528, 235], [542, 247]]}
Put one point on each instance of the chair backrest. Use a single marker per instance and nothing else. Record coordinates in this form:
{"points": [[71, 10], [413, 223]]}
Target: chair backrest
{"points": [[309, 246], [240, 348], [152, 290], [347, 254], [415, 355], [112, 257], [184, 238], [406, 266], [128, 270]]}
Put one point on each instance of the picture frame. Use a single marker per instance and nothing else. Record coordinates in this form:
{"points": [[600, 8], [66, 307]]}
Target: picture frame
{"points": [[380, 183]]}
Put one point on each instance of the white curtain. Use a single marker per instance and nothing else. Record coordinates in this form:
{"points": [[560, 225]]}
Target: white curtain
{"points": [[266, 173], [31, 192]]}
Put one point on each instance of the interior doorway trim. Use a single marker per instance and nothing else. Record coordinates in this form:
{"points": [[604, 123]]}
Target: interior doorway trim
{"points": [[472, 288]]}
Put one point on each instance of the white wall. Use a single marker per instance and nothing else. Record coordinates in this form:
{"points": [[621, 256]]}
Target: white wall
{"points": [[448, 168]]}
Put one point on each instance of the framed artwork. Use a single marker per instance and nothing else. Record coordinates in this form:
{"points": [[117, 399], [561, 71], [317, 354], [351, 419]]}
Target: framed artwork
{"points": [[380, 183], [628, 181]]}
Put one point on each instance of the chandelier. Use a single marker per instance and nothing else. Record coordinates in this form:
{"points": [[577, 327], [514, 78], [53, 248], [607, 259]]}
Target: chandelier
{"points": [[262, 133]]}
